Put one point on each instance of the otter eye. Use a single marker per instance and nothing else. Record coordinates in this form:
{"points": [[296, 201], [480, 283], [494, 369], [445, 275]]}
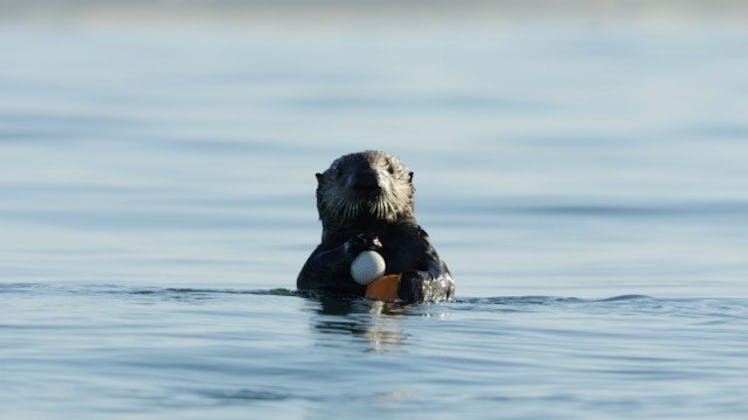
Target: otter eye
{"points": [[391, 169]]}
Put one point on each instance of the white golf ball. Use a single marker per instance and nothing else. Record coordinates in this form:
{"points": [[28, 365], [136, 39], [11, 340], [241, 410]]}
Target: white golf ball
{"points": [[367, 266]]}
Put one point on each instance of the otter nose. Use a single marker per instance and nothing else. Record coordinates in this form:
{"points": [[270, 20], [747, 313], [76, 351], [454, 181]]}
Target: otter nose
{"points": [[364, 181]]}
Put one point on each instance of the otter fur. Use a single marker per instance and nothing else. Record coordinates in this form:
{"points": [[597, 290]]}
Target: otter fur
{"points": [[365, 201]]}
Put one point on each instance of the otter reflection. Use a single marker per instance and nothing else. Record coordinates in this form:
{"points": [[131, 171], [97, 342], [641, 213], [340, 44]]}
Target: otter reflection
{"points": [[375, 324]]}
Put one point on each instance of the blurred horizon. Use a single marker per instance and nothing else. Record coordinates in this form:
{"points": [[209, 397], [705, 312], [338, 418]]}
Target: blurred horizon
{"points": [[264, 12]]}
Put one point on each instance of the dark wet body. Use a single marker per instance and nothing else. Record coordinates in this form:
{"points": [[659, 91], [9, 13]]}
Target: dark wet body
{"points": [[365, 201]]}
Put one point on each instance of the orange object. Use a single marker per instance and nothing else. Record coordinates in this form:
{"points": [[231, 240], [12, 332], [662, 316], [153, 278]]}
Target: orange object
{"points": [[384, 288]]}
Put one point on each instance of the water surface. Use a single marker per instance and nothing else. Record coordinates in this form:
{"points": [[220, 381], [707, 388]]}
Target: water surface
{"points": [[585, 183]]}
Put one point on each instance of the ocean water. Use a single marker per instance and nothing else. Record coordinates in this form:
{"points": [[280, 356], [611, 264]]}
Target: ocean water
{"points": [[586, 183]]}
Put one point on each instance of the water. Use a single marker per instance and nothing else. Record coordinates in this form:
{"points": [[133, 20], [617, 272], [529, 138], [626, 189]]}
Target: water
{"points": [[586, 184]]}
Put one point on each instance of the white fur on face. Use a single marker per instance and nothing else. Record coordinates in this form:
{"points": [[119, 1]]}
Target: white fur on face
{"points": [[394, 201]]}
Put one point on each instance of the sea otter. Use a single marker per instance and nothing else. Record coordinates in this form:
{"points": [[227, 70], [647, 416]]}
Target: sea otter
{"points": [[365, 201]]}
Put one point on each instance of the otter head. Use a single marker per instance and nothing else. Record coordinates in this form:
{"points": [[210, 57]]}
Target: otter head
{"points": [[364, 187]]}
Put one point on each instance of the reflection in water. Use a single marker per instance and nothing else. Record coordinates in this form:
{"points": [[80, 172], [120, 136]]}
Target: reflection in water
{"points": [[377, 323]]}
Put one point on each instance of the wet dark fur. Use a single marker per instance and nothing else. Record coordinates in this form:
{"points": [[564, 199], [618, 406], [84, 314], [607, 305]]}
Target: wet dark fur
{"points": [[365, 201]]}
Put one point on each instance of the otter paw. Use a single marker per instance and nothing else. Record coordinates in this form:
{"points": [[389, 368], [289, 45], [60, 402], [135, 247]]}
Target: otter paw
{"points": [[411, 287], [362, 242]]}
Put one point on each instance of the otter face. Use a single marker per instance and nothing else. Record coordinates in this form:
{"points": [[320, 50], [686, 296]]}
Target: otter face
{"points": [[365, 186]]}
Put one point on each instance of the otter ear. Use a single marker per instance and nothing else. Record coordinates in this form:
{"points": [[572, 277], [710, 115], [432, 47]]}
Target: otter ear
{"points": [[319, 177], [410, 177]]}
